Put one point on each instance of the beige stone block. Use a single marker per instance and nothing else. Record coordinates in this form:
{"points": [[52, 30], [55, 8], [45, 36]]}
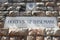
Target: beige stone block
{"points": [[39, 38]]}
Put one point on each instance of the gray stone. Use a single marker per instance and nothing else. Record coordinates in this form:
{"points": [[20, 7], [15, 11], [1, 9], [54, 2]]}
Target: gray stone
{"points": [[41, 8], [50, 8], [40, 4], [3, 1]]}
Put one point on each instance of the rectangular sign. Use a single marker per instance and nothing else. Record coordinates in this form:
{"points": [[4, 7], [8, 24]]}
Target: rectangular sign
{"points": [[30, 22]]}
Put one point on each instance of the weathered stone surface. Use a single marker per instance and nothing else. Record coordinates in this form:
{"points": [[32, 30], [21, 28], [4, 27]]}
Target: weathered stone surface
{"points": [[50, 8], [39, 38], [50, 4]]}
